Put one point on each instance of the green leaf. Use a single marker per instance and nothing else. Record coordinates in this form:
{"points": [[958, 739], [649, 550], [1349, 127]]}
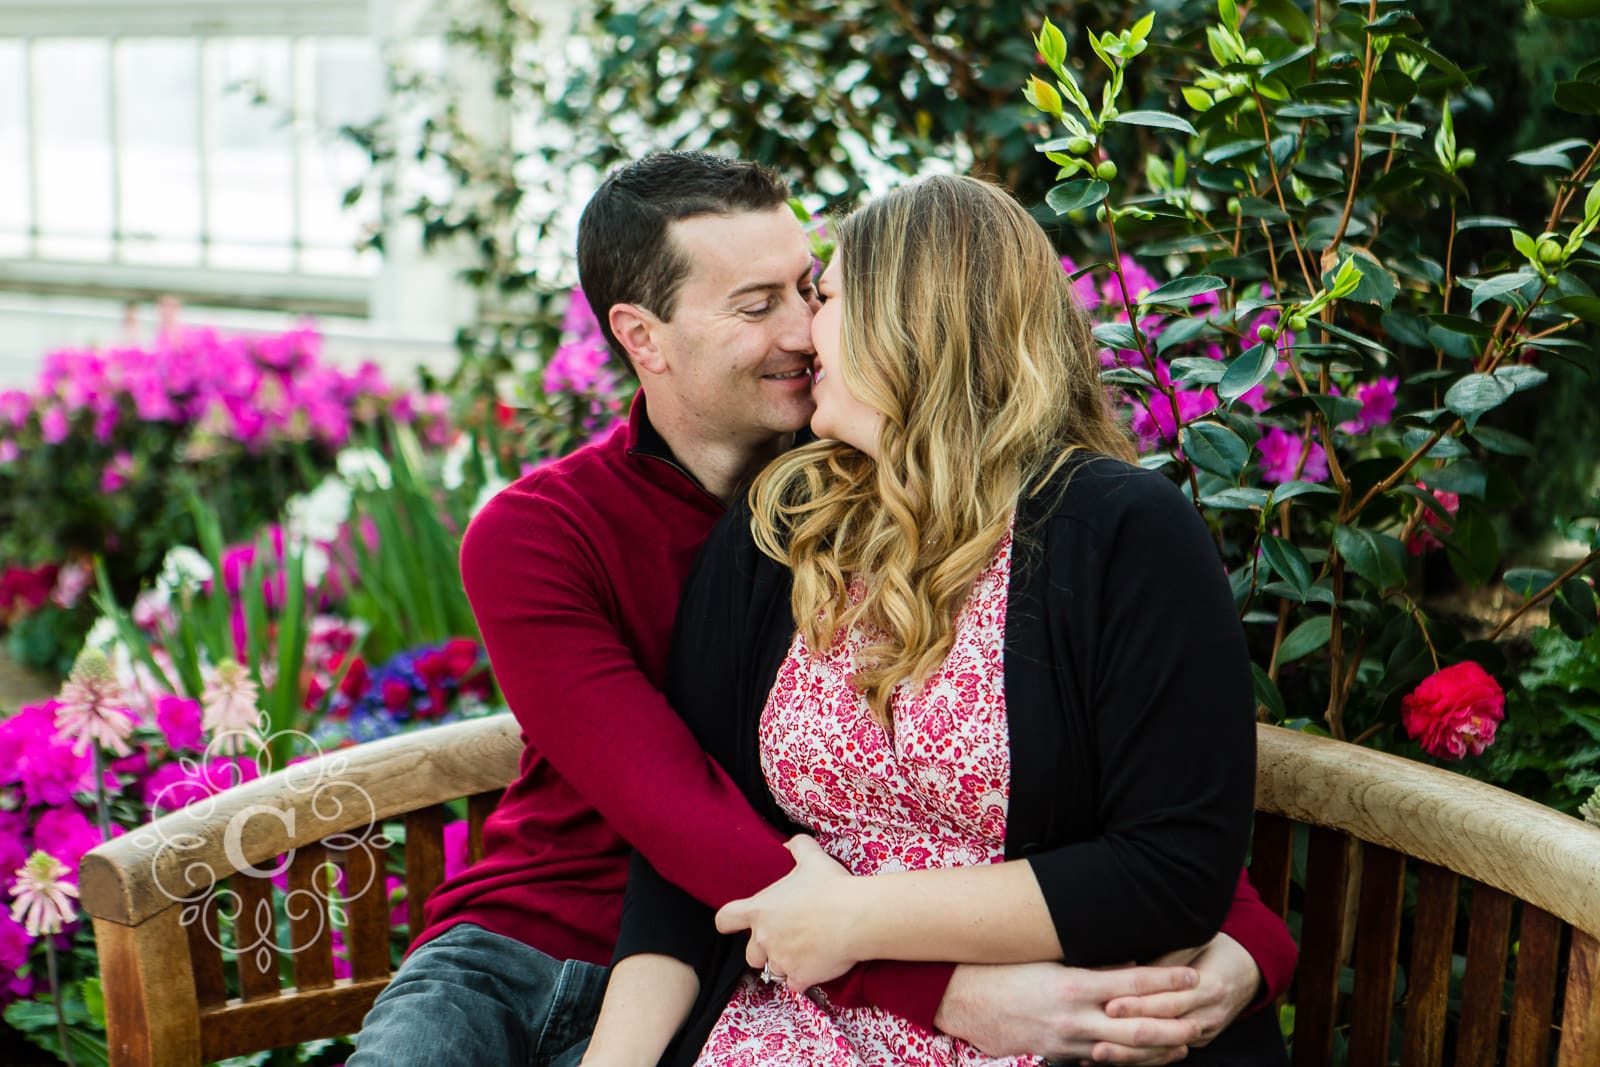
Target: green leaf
{"points": [[1361, 277], [1476, 394], [1466, 478], [1398, 23], [1197, 370], [1215, 448], [1267, 694], [1500, 285], [1247, 371], [1485, 222], [1236, 499], [1228, 11], [1378, 558], [1290, 490], [1586, 308], [1501, 442], [1075, 196], [1180, 290], [1526, 581], [1116, 335], [1578, 97], [1522, 376], [1569, 9], [1573, 608], [1288, 562], [1157, 119], [1543, 157], [1305, 639], [1314, 111], [1444, 448], [1474, 546]]}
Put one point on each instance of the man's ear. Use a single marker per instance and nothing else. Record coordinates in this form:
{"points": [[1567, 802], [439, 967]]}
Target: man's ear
{"points": [[636, 330]]}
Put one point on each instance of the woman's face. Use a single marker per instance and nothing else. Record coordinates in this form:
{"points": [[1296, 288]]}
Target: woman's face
{"points": [[840, 415]]}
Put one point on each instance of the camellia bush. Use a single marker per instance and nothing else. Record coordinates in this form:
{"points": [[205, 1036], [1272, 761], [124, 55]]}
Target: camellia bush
{"points": [[1298, 337]]}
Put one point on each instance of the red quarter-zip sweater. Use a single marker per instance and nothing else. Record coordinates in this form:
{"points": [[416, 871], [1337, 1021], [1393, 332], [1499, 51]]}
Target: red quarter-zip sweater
{"points": [[574, 573]]}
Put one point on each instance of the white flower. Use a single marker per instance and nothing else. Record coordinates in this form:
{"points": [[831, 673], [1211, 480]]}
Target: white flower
{"points": [[364, 468], [184, 568], [314, 565], [453, 469], [319, 514], [152, 610], [103, 635], [490, 489], [71, 582], [43, 903]]}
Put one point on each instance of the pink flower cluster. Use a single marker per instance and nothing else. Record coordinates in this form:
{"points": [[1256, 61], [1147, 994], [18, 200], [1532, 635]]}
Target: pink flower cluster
{"points": [[255, 391], [583, 365]]}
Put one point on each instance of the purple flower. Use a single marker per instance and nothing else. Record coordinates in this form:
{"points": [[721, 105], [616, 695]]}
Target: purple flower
{"points": [[14, 408], [179, 719], [1152, 421], [66, 833], [8, 450], [42, 764], [117, 473], [14, 946], [1377, 405], [14, 848], [1084, 286], [1280, 455], [175, 785]]}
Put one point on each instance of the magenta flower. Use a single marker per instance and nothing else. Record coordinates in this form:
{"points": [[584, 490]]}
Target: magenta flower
{"points": [[179, 719], [1281, 455], [14, 846], [1084, 285], [9, 451], [1377, 405], [14, 947], [38, 761], [175, 785], [66, 833], [53, 426], [117, 473], [1423, 540], [14, 408]]}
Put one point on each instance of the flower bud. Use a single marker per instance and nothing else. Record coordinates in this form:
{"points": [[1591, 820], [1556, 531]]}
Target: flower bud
{"points": [[1255, 56], [1466, 158], [1550, 249], [1080, 146], [1265, 333], [1106, 171], [1297, 323], [1234, 206]]}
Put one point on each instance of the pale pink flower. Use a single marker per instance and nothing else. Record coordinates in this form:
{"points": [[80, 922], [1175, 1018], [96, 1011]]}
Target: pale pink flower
{"points": [[44, 896], [72, 580], [231, 709], [94, 710]]}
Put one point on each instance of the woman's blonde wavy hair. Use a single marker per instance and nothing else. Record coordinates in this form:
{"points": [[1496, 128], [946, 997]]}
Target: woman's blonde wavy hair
{"points": [[960, 326]]}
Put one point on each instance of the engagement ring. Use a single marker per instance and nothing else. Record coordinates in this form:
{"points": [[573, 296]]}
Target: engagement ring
{"points": [[767, 974]]}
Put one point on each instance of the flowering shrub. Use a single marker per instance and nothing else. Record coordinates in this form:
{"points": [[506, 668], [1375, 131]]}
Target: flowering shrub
{"points": [[1322, 377], [94, 456]]}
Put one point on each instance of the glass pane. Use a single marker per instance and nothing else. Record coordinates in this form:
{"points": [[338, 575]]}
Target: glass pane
{"points": [[70, 78], [158, 116], [14, 176], [252, 153], [343, 85]]}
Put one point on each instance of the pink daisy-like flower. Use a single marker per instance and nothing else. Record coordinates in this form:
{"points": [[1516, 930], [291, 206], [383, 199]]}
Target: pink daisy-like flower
{"points": [[230, 706], [43, 895], [93, 708]]}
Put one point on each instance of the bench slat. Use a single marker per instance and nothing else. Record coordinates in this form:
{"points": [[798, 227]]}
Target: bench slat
{"points": [[1580, 1018], [255, 936], [479, 807], [1321, 945], [1377, 950], [1483, 988], [424, 861], [1271, 859], [367, 904], [205, 957], [310, 925], [1534, 996], [1428, 981]]}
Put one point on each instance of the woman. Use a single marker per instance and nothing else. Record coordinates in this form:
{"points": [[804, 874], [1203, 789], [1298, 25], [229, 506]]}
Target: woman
{"points": [[1012, 645]]}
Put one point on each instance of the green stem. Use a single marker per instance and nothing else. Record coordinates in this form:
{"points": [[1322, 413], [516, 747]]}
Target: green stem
{"points": [[55, 996], [102, 806]]}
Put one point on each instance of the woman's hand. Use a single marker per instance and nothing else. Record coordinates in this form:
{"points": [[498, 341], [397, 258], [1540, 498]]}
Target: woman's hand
{"points": [[799, 925], [1229, 981]]}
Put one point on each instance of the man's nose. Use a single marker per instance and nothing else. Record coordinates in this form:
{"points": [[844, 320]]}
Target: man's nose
{"points": [[797, 314]]}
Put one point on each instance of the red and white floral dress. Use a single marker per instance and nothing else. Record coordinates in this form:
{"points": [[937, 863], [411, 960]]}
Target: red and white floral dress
{"points": [[933, 796]]}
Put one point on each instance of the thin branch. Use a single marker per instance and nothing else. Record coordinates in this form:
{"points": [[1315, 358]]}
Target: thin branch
{"points": [[1368, 68], [1277, 187], [1543, 594]]}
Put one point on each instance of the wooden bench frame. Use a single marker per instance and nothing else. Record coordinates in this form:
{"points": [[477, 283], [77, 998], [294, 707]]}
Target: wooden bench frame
{"points": [[1369, 816]]}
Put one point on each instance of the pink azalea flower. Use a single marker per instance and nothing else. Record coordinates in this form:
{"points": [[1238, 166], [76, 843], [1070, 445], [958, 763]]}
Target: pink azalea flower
{"points": [[66, 833], [71, 582], [1280, 455], [14, 948], [179, 719], [175, 785], [1377, 405], [43, 895], [1423, 540], [117, 473], [14, 847], [14, 408], [44, 766], [9, 451], [53, 426]]}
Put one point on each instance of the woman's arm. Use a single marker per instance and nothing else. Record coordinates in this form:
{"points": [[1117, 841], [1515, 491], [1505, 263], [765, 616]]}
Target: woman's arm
{"points": [[647, 999]]}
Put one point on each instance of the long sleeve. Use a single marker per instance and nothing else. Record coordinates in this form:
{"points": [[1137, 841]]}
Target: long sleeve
{"points": [[1263, 934], [1145, 643]]}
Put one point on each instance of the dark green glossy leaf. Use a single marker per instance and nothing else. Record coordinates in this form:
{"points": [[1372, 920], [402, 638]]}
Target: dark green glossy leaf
{"points": [[1444, 448], [1474, 546], [1395, 24], [1137, 378], [1502, 284], [1305, 639], [1233, 149], [1569, 9], [1267, 694], [1586, 308], [1181, 290], [1115, 335], [1475, 222], [1501, 442], [1247, 371], [1236, 499], [1377, 285], [1476, 394], [1315, 111], [1290, 490], [1522, 376], [1181, 332], [1288, 562], [1215, 448], [1427, 500], [1075, 196], [1157, 119], [1378, 558], [1573, 609], [1197, 370], [1463, 478], [1543, 157], [1578, 97], [1335, 409]]}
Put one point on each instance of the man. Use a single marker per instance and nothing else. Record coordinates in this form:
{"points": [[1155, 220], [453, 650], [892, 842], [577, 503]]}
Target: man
{"points": [[701, 278]]}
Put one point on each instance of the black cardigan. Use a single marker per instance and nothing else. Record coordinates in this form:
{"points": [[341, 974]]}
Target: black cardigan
{"points": [[1130, 709]]}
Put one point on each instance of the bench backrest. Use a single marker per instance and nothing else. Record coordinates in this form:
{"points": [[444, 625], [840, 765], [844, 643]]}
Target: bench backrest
{"points": [[183, 902]]}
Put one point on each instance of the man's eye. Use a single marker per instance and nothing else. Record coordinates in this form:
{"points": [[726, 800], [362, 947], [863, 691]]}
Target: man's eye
{"points": [[757, 311]]}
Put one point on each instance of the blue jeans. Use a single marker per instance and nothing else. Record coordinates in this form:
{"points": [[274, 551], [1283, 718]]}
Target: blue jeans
{"points": [[475, 998]]}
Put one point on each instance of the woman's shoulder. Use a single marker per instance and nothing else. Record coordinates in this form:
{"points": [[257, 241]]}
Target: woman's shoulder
{"points": [[1102, 493]]}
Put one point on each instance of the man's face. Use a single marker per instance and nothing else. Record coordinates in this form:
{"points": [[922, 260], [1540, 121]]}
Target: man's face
{"points": [[739, 342]]}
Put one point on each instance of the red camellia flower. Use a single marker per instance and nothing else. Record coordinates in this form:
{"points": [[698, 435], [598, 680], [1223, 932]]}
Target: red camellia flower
{"points": [[1454, 711], [396, 694], [462, 655]]}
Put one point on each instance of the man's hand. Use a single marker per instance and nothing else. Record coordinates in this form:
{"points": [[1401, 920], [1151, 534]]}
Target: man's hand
{"points": [[1046, 1009], [799, 924], [1229, 981]]}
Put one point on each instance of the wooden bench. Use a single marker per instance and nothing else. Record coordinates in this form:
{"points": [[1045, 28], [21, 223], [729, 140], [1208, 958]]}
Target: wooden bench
{"points": [[1367, 825]]}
